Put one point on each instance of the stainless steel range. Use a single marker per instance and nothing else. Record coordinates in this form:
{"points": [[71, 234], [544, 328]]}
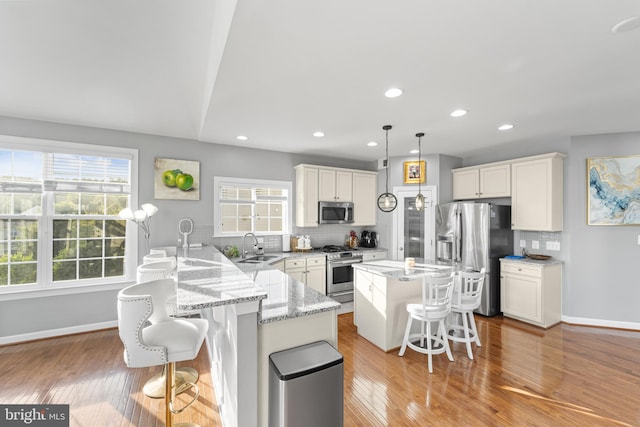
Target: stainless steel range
{"points": [[340, 260]]}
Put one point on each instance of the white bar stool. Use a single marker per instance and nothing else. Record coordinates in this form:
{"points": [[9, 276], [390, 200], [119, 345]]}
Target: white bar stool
{"points": [[155, 386], [435, 306], [151, 337], [154, 271]]}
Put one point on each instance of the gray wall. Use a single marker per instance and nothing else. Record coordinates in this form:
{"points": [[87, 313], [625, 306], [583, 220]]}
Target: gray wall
{"points": [[598, 282], [604, 259], [68, 311]]}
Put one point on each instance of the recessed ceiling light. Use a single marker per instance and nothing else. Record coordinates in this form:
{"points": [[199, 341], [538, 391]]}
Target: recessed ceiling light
{"points": [[393, 92], [625, 25], [506, 126], [459, 113], [318, 134], [241, 137], [372, 144], [414, 151]]}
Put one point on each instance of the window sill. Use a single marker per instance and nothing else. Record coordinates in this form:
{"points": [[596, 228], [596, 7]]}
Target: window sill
{"points": [[60, 290]]}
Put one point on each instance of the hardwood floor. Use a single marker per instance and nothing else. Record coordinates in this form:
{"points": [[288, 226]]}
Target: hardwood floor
{"points": [[565, 376]]}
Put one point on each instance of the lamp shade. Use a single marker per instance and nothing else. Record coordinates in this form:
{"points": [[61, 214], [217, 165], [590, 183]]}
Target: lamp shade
{"points": [[149, 208], [140, 215], [126, 213]]}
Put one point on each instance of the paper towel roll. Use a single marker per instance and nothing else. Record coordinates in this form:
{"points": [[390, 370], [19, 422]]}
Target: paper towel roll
{"points": [[286, 243]]}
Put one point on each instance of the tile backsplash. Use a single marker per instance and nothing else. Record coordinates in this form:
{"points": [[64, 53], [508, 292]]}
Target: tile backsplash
{"points": [[539, 242]]}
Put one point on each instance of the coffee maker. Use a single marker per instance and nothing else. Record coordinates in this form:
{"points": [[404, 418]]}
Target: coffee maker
{"points": [[368, 239]]}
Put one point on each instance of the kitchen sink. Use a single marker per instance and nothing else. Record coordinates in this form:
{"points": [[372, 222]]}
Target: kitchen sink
{"points": [[258, 259]]}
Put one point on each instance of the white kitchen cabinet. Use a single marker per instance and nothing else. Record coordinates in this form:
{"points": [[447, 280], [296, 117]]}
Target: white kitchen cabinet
{"points": [[536, 193], [380, 312], [278, 265], [365, 207], [335, 185], [531, 292], [320, 183], [373, 255], [308, 270], [486, 181], [306, 196]]}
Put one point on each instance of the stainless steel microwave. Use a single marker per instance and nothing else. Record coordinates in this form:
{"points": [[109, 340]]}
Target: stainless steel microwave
{"points": [[335, 212]]}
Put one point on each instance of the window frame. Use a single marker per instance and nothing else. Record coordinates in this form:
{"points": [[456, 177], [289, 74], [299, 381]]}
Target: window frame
{"points": [[45, 285], [219, 181]]}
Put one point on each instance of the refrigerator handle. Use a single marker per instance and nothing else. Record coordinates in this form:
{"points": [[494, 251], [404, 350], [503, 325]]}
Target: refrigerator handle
{"points": [[458, 237]]}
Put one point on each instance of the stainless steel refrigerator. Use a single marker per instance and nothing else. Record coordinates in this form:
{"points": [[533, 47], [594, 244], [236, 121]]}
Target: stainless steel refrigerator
{"points": [[472, 236]]}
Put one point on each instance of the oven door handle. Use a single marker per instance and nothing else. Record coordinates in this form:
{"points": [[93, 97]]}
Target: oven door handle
{"points": [[345, 262]]}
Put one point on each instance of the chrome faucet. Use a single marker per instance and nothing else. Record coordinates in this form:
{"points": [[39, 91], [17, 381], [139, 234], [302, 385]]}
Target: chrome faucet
{"points": [[255, 243]]}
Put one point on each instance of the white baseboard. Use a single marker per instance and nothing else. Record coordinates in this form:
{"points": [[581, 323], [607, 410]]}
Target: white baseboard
{"points": [[12, 339], [583, 321]]}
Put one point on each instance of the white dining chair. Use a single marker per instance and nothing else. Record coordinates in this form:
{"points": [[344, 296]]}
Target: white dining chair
{"points": [[436, 305]]}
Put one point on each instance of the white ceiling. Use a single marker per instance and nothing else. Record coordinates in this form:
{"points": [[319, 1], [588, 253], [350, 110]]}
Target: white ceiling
{"points": [[278, 70]]}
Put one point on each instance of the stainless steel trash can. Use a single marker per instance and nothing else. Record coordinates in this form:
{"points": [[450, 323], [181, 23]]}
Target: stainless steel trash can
{"points": [[306, 387]]}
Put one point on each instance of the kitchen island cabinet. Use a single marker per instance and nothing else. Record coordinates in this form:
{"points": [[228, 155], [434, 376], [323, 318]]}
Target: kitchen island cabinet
{"points": [[253, 310], [530, 291], [382, 289]]}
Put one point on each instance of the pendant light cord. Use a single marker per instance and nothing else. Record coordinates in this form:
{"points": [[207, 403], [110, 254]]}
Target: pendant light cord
{"points": [[419, 161], [387, 165]]}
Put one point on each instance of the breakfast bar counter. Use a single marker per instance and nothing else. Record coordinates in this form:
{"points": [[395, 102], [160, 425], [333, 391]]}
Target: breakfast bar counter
{"points": [[253, 310]]}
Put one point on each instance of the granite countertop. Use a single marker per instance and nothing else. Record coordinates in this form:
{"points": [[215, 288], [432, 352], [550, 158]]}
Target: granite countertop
{"points": [[206, 278], [288, 298], [532, 261], [396, 269]]}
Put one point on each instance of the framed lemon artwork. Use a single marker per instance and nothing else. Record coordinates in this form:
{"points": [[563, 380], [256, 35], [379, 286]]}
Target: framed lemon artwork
{"points": [[176, 179]]}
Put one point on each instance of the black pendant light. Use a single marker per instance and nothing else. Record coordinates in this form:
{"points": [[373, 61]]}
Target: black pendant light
{"points": [[387, 201], [419, 197]]}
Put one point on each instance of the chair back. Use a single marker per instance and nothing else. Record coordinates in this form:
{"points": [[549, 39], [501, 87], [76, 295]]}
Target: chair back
{"points": [[170, 251], [138, 306], [469, 294], [436, 294], [154, 271]]}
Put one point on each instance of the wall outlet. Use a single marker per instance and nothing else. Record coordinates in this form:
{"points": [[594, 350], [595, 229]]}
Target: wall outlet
{"points": [[553, 246], [639, 239], [523, 243], [535, 244]]}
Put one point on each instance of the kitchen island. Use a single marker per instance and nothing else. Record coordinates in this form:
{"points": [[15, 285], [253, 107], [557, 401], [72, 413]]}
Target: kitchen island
{"points": [[382, 289], [253, 310]]}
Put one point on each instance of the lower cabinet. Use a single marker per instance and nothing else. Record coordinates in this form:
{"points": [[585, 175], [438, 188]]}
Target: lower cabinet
{"points": [[373, 255], [380, 307], [531, 292], [309, 270]]}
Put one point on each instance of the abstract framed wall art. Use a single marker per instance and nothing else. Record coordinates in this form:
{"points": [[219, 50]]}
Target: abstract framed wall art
{"points": [[176, 179], [613, 185]]}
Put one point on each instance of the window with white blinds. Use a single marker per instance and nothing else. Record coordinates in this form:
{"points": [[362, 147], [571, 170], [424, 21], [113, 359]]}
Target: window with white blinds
{"points": [[59, 205], [251, 206]]}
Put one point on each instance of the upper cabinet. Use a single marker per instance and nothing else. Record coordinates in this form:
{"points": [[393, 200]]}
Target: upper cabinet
{"points": [[480, 182], [335, 185], [533, 183], [365, 207], [306, 196], [536, 199], [321, 184]]}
